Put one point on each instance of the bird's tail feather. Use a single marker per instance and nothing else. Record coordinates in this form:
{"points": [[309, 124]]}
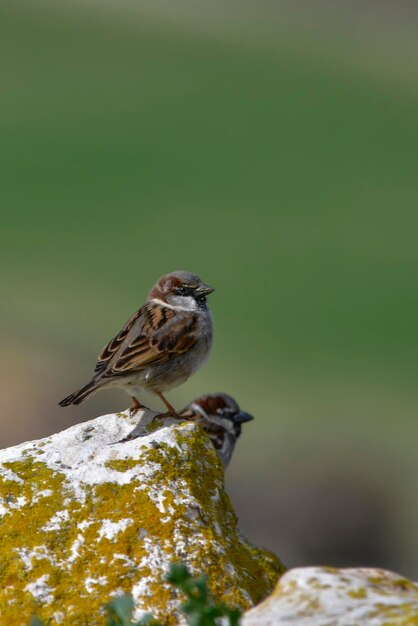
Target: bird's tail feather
{"points": [[79, 396]]}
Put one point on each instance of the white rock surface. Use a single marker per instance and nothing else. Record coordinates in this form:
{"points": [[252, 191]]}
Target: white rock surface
{"points": [[324, 596], [85, 516]]}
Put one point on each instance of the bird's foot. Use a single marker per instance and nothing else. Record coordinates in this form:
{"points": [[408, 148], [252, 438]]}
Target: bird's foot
{"points": [[171, 410], [172, 413], [136, 406]]}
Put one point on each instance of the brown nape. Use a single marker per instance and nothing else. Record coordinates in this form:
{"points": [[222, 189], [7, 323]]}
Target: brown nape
{"points": [[211, 403], [156, 293], [166, 284], [170, 282]]}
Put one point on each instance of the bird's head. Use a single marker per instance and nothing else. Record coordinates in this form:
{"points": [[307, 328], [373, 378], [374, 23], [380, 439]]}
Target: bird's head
{"points": [[181, 290]]}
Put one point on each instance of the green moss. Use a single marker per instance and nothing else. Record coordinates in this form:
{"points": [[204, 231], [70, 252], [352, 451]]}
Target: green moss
{"points": [[358, 593], [258, 570], [153, 426], [400, 614], [76, 550], [121, 465]]}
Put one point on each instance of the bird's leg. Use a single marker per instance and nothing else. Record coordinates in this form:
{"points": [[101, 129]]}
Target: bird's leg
{"points": [[171, 410], [135, 406]]}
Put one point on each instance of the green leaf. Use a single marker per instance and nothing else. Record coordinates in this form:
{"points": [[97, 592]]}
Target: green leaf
{"points": [[120, 611], [199, 608], [178, 574]]}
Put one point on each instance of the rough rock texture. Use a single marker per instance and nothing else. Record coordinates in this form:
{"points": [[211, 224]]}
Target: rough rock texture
{"points": [[325, 596], [82, 520]]}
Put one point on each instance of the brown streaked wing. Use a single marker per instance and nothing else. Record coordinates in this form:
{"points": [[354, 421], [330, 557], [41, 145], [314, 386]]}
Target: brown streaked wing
{"points": [[163, 333], [114, 344]]}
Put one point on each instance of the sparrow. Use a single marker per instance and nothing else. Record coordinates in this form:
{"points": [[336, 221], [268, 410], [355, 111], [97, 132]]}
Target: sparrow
{"points": [[160, 346], [220, 416]]}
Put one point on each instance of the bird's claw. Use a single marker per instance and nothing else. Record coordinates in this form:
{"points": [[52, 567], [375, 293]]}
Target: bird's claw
{"points": [[167, 414]]}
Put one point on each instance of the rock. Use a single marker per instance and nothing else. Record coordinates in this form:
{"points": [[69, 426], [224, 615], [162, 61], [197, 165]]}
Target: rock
{"points": [[325, 596], [83, 518]]}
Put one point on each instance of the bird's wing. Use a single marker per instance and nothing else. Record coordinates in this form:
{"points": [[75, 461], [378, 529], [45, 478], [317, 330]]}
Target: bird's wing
{"points": [[115, 343], [153, 335]]}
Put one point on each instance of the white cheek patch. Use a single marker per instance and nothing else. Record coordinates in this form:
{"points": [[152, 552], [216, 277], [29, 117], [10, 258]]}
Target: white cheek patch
{"points": [[228, 425], [179, 303]]}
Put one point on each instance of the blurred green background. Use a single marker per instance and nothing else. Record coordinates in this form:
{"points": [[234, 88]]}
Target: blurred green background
{"points": [[271, 148]]}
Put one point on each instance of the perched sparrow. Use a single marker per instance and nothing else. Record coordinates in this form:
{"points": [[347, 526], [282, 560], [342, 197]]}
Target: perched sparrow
{"points": [[160, 346], [220, 416]]}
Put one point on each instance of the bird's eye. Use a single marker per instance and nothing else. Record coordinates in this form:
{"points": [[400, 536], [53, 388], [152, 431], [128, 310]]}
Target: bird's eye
{"points": [[220, 412], [183, 291]]}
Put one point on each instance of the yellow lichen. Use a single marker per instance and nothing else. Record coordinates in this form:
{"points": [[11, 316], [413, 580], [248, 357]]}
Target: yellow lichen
{"points": [[83, 568], [358, 593], [121, 465]]}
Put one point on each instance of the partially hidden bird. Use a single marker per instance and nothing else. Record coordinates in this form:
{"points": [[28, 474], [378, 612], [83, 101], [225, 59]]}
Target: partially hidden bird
{"points": [[220, 416], [160, 346]]}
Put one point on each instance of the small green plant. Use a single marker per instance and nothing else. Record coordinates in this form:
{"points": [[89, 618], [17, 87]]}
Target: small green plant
{"points": [[119, 613], [198, 607]]}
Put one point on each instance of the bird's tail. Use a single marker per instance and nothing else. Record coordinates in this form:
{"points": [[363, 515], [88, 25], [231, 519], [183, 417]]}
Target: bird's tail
{"points": [[79, 396]]}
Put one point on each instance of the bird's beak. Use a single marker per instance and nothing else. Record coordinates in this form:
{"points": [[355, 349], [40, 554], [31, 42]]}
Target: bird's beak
{"points": [[243, 417], [204, 290]]}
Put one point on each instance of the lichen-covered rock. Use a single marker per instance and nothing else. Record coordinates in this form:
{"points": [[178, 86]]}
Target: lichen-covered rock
{"points": [[83, 518], [325, 596]]}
